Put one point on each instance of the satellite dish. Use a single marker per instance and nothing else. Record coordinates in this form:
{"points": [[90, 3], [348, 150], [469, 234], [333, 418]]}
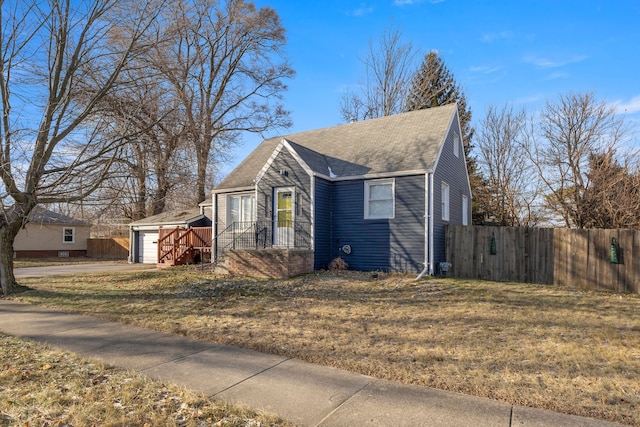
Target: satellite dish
{"points": [[346, 249]]}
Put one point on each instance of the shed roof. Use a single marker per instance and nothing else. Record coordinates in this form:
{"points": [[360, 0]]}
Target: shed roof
{"points": [[403, 142], [177, 217]]}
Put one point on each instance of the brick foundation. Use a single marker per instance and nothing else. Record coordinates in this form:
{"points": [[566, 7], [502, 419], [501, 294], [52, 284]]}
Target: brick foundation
{"points": [[269, 263], [50, 254]]}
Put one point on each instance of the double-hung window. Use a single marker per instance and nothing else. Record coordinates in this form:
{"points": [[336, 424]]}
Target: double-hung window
{"points": [[68, 235], [242, 208], [379, 199], [445, 201]]}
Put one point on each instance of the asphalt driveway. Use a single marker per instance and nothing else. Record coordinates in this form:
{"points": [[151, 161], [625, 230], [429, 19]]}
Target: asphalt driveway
{"points": [[98, 267]]}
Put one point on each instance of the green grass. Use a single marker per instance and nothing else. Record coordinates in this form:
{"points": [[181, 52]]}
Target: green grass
{"points": [[561, 349]]}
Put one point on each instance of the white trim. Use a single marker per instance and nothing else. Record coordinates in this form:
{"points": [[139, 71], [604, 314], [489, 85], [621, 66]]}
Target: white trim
{"points": [[465, 210], [286, 145], [456, 144], [312, 212], [234, 189], [73, 235], [214, 228], [297, 157], [269, 162], [426, 222], [229, 196], [290, 234], [431, 209], [445, 202], [367, 184]]}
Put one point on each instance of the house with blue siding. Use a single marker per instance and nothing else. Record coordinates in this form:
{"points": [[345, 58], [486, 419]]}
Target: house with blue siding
{"points": [[377, 193]]}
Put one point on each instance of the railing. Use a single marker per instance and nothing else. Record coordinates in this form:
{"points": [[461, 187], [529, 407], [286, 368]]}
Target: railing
{"points": [[260, 235], [178, 243]]}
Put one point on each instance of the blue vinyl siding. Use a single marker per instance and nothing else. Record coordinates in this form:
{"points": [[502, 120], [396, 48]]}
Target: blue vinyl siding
{"points": [[452, 170], [322, 226], [395, 244], [295, 177]]}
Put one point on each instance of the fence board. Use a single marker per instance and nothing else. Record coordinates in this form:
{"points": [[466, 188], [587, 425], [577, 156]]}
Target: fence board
{"points": [[580, 258], [113, 248]]}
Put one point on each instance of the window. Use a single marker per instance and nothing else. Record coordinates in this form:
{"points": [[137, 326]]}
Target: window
{"points": [[456, 145], [465, 210], [68, 235], [445, 201], [379, 199], [242, 208]]}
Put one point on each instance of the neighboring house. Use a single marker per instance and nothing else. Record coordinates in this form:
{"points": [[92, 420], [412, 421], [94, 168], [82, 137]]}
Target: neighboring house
{"points": [[377, 193], [49, 234], [145, 233]]}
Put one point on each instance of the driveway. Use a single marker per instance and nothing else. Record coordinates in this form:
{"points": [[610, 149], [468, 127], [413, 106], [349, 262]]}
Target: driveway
{"points": [[98, 267]]}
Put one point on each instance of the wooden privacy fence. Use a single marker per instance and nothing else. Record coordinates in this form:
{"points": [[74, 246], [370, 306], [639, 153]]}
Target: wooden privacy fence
{"points": [[113, 248], [592, 259]]}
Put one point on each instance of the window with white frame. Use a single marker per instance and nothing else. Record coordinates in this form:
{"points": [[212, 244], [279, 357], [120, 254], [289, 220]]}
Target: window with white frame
{"points": [[465, 210], [445, 201], [379, 199], [456, 145], [68, 235], [242, 208]]}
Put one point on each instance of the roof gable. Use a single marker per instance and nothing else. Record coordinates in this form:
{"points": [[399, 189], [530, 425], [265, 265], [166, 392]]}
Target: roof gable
{"points": [[393, 144]]}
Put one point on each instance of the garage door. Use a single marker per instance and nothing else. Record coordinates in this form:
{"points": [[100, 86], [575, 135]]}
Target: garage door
{"points": [[148, 247]]}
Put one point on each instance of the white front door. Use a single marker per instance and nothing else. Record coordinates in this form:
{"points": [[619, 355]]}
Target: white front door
{"points": [[284, 211]]}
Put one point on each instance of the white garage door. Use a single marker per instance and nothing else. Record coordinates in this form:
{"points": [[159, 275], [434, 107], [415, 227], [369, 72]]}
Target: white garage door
{"points": [[148, 247]]}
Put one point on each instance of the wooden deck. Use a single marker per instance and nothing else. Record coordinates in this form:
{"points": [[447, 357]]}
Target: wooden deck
{"points": [[179, 246]]}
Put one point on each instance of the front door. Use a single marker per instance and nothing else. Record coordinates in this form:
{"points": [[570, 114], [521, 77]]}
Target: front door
{"points": [[284, 209]]}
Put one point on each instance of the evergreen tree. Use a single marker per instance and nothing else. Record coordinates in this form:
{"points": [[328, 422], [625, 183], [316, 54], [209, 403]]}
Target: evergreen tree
{"points": [[434, 85]]}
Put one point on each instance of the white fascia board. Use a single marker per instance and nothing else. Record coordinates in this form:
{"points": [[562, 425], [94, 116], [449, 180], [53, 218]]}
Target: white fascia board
{"points": [[270, 161], [297, 157], [234, 189], [374, 175], [444, 138]]}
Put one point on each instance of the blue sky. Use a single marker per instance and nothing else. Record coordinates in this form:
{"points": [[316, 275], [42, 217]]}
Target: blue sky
{"points": [[503, 51]]}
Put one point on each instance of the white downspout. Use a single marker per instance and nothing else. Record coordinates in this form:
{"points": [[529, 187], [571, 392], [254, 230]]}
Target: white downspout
{"points": [[214, 227], [431, 255], [427, 226]]}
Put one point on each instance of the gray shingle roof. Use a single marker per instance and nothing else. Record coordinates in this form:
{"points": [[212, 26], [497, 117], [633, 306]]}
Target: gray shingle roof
{"points": [[40, 215], [177, 217], [403, 142]]}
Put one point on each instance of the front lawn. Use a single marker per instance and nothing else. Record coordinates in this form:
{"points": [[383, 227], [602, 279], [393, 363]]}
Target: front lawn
{"points": [[565, 350], [44, 387]]}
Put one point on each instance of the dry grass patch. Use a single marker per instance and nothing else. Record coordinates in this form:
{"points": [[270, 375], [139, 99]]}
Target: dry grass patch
{"points": [[46, 262], [43, 387], [561, 349]]}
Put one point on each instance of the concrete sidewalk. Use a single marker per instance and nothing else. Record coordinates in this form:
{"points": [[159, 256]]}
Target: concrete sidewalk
{"points": [[306, 394]]}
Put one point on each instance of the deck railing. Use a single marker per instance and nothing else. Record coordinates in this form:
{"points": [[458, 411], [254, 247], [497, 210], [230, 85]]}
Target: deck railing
{"points": [[260, 235], [175, 244]]}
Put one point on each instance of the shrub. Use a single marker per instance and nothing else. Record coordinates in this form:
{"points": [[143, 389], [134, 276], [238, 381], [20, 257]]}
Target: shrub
{"points": [[338, 264]]}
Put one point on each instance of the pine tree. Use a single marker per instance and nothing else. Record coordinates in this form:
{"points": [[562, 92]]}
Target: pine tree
{"points": [[434, 85]]}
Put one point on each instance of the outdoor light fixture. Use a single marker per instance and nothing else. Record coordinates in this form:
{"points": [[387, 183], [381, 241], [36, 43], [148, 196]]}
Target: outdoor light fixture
{"points": [[615, 251]]}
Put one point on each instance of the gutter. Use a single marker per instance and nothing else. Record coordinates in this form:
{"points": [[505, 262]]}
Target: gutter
{"points": [[428, 227]]}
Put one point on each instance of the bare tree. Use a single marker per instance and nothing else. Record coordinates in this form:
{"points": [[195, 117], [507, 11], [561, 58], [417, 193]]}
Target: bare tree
{"points": [[153, 162], [612, 198], [511, 181], [225, 64], [569, 132], [388, 72], [58, 60]]}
